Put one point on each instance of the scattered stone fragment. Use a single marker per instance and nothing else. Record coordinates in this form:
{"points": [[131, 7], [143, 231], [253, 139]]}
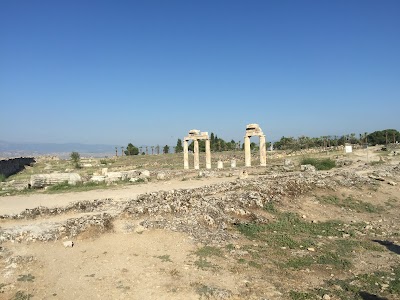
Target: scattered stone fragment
{"points": [[161, 176], [68, 244], [376, 177], [308, 168]]}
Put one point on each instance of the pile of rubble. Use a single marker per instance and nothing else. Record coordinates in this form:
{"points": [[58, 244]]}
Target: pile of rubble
{"points": [[50, 231]]}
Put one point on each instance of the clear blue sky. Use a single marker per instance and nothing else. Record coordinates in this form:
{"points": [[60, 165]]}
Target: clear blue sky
{"points": [[146, 72]]}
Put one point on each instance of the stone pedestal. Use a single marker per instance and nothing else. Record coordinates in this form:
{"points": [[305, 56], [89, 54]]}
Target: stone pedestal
{"points": [[208, 155], [196, 155], [233, 163], [185, 155], [263, 151], [220, 164], [247, 152]]}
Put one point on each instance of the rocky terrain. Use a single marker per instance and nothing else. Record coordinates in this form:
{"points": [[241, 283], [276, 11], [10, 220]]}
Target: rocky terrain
{"points": [[261, 233]]}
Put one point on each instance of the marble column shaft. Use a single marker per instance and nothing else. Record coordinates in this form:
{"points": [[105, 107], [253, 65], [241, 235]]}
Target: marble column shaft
{"points": [[208, 155], [185, 155], [196, 155], [247, 151], [263, 151]]}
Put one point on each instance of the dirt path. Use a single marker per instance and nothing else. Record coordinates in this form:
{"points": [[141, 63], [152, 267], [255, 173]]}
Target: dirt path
{"points": [[153, 265], [18, 203]]}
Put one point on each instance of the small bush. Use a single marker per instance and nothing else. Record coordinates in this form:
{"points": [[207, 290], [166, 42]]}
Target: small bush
{"points": [[2, 178], [319, 164], [75, 158]]}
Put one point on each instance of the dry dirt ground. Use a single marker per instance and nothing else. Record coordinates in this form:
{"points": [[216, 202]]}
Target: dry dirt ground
{"points": [[281, 234]]}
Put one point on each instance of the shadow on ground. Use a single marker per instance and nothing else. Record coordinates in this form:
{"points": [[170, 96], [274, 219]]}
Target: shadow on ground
{"points": [[368, 296], [389, 245]]}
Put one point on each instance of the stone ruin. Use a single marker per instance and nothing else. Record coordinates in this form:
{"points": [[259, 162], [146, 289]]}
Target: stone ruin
{"points": [[196, 135], [254, 130]]}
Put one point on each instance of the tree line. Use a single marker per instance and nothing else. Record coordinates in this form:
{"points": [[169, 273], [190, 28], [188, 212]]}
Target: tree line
{"points": [[285, 143], [304, 142]]}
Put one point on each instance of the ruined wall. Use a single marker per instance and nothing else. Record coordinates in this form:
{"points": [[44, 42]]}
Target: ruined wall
{"points": [[14, 165]]}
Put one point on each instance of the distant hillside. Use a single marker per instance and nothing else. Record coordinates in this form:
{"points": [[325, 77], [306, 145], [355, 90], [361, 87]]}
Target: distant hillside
{"points": [[16, 149]]}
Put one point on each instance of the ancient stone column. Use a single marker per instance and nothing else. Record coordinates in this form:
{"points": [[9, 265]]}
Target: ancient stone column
{"points": [[208, 155], [247, 152], [185, 155], [196, 155], [263, 151]]}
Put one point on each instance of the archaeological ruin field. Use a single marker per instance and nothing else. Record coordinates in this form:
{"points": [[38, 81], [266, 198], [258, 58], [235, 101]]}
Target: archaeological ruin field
{"points": [[144, 227]]}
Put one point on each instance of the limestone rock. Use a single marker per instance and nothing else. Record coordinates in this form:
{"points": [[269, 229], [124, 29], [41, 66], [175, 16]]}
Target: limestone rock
{"points": [[287, 162], [308, 168], [145, 173], [161, 176], [42, 180], [68, 244], [98, 178], [243, 174]]}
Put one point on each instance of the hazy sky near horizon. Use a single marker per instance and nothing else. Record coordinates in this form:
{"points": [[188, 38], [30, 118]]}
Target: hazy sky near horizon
{"points": [[147, 72]]}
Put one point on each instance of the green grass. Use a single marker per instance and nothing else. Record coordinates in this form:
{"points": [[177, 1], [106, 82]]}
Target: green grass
{"points": [[289, 224], [360, 287], [27, 277], [204, 264], [319, 163], [377, 162], [289, 231], [350, 203], [254, 264], [2, 177], [21, 295], [301, 295], [65, 187], [300, 262], [270, 207], [164, 258], [208, 251]]}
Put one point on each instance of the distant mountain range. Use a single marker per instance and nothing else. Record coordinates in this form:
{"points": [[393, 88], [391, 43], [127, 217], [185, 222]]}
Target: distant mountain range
{"points": [[9, 149]]}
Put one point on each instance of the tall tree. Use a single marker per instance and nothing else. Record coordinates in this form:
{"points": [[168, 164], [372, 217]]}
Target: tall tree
{"points": [[131, 150], [178, 147], [166, 149]]}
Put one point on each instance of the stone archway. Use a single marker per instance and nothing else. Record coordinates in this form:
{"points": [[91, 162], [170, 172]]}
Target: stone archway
{"points": [[196, 135], [254, 130]]}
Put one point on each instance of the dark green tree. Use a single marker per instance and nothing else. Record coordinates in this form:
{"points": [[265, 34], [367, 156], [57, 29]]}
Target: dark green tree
{"points": [[131, 150], [166, 149], [202, 146], [179, 147], [380, 137]]}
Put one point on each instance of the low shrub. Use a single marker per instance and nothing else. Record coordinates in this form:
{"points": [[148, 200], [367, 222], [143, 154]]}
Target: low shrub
{"points": [[319, 164]]}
